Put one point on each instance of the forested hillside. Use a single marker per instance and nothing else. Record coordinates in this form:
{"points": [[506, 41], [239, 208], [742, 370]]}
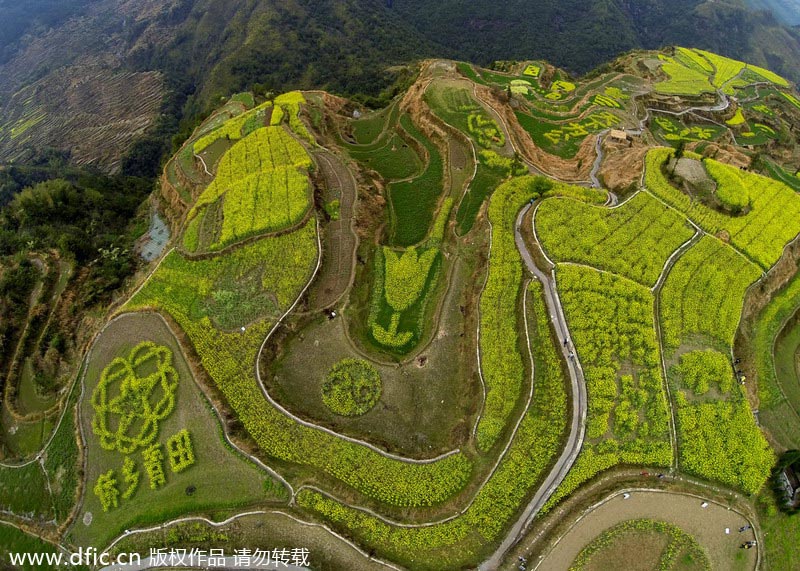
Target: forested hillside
{"points": [[55, 56]]}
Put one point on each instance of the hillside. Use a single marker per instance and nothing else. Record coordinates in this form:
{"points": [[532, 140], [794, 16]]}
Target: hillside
{"points": [[185, 54], [433, 335], [788, 11]]}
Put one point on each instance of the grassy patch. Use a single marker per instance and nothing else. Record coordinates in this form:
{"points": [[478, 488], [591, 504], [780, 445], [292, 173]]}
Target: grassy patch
{"points": [[564, 140], [413, 202], [221, 477]]}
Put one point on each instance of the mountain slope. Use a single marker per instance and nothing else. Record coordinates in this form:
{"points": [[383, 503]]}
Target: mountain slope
{"points": [[581, 34], [788, 11], [206, 49]]}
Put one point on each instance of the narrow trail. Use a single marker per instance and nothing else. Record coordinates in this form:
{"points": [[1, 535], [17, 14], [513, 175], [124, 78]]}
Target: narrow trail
{"points": [[579, 404], [656, 289]]}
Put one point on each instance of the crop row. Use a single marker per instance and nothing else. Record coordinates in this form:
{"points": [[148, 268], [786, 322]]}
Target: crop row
{"points": [[611, 321], [179, 287], [235, 128], [772, 222], [704, 293], [461, 541], [633, 240], [718, 436], [263, 183]]}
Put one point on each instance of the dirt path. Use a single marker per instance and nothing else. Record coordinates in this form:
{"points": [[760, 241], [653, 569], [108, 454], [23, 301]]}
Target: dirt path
{"points": [[707, 525], [342, 241]]}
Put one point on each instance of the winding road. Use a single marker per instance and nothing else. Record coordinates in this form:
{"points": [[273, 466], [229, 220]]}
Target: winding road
{"points": [[579, 403]]}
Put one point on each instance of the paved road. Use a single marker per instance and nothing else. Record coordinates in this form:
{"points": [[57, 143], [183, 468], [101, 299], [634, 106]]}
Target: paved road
{"points": [[578, 424]]}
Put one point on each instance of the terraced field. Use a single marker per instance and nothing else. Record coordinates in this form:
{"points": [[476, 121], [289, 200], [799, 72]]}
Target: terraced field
{"points": [[383, 332]]}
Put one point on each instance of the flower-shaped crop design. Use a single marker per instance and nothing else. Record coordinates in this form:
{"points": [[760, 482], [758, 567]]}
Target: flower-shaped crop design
{"points": [[133, 396]]}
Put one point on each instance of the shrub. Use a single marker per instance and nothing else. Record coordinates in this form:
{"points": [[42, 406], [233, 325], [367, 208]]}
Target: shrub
{"points": [[154, 466], [130, 475]]}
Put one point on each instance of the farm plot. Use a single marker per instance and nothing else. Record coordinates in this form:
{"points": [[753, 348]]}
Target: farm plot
{"points": [[414, 202], [672, 131], [779, 399], [683, 79], [703, 294], [705, 525], [633, 240], [756, 134], [261, 185], [651, 544], [235, 128], [695, 72], [786, 176], [46, 491], [465, 540], [229, 360], [403, 280], [395, 160], [718, 438], [454, 105], [611, 320], [368, 129], [266, 531], [427, 406], [772, 221], [564, 140], [502, 366], [492, 169], [146, 423]]}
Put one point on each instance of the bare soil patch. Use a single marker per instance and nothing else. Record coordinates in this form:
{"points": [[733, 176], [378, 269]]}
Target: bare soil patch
{"points": [[707, 525]]}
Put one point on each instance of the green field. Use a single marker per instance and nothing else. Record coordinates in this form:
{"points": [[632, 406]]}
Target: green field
{"points": [[634, 240], [221, 477], [395, 160], [413, 202], [564, 140]]}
